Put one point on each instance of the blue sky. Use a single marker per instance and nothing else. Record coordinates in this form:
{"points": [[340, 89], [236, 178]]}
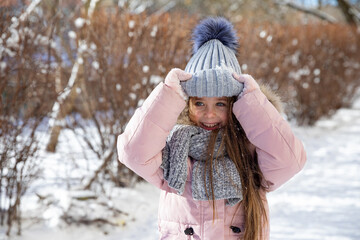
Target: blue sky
{"points": [[311, 3]]}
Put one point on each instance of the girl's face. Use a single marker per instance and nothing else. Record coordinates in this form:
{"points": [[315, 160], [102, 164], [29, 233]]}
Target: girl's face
{"points": [[209, 113]]}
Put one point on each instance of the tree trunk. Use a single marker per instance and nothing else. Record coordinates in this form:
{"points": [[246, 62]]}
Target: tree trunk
{"points": [[66, 106]]}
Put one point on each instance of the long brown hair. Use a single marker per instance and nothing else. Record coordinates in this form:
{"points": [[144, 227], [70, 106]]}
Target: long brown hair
{"points": [[237, 147]]}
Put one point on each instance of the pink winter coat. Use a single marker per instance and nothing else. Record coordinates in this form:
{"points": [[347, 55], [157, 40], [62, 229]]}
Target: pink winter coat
{"points": [[280, 154]]}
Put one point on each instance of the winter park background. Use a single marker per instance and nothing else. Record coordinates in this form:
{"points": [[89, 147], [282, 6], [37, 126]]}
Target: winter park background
{"points": [[73, 72]]}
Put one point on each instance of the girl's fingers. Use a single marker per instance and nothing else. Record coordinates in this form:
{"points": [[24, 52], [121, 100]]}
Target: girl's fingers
{"points": [[182, 75], [238, 77], [243, 77]]}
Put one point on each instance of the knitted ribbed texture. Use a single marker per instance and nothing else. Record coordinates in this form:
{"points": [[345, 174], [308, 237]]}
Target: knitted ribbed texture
{"points": [[192, 141], [212, 67], [211, 55], [216, 82]]}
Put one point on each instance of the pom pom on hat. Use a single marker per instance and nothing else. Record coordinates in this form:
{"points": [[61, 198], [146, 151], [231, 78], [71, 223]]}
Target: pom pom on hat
{"points": [[214, 60], [215, 28]]}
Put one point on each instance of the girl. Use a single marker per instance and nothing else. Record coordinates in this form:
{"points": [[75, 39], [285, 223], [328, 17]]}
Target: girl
{"points": [[230, 146]]}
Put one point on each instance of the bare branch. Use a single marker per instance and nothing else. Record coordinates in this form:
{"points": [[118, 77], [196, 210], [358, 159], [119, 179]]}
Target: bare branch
{"points": [[105, 161], [55, 115], [351, 13], [314, 12]]}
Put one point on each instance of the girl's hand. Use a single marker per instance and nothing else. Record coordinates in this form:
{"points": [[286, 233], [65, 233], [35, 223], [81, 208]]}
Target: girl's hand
{"points": [[249, 83], [173, 79]]}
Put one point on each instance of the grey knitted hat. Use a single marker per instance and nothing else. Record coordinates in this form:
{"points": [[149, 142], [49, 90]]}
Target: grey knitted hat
{"points": [[213, 61]]}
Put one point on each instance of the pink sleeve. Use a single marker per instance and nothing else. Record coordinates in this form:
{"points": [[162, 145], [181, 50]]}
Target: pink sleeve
{"points": [[139, 146], [280, 154]]}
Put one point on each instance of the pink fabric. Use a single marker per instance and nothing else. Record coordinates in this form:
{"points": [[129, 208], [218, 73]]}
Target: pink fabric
{"points": [[173, 81], [280, 154], [249, 83]]}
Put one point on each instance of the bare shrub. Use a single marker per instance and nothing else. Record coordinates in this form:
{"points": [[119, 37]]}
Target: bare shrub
{"points": [[125, 57], [25, 68], [314, 67]]}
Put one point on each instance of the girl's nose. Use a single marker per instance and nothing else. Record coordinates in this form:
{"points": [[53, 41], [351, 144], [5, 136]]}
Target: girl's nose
{"points": [[210, 112]]}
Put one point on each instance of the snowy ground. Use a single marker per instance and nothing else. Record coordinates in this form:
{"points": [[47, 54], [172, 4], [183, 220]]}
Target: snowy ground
{"points": [[322, 202]]}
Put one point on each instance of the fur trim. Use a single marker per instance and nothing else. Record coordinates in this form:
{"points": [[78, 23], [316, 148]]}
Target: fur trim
{"points": [[273, 97]]}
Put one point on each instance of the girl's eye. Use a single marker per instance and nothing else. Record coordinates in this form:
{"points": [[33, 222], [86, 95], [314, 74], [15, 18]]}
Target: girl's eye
{"points": [[199, 104], [220, 104]]}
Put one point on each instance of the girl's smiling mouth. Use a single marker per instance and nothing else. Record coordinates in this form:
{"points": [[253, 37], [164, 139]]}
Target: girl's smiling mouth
{"points": [[210, 126]]}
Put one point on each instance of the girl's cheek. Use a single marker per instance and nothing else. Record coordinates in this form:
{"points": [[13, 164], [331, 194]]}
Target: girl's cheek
{"points": [[192, 116], [223, 110]]}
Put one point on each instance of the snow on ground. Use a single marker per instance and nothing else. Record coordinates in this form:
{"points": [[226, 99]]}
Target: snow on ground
{"points": [[321, 202]]}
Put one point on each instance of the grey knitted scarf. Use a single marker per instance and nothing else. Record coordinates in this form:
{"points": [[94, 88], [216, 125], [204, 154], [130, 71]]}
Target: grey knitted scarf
{"points": [[186, 140]]}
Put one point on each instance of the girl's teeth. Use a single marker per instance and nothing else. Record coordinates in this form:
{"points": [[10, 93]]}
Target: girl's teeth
{"points": [[210, 125]]}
